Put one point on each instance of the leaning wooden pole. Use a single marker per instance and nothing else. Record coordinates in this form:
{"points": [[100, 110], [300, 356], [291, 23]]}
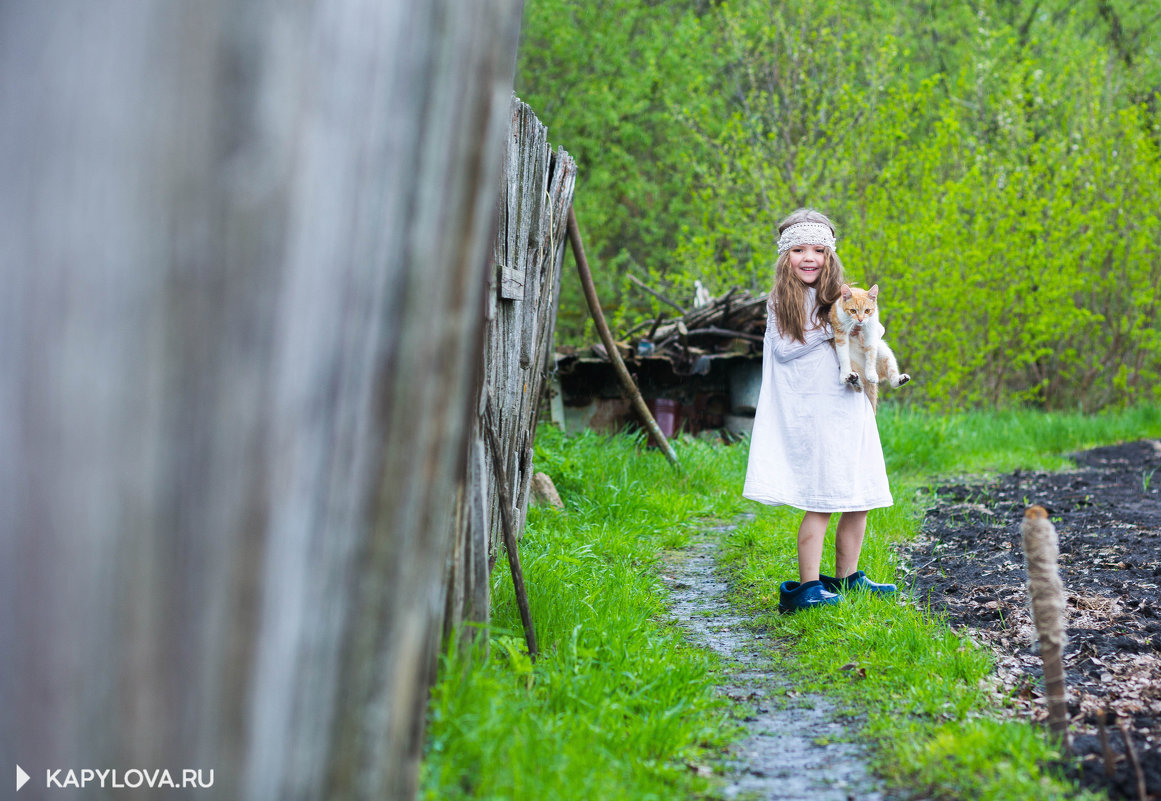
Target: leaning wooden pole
{"points": [[1046, 595], [627, 383], [509, 527]]}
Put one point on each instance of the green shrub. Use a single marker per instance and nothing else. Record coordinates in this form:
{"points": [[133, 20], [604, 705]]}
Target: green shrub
{"points": [[996, 168]]}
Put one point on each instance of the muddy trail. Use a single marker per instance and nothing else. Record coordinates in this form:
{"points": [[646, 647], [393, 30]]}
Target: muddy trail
{"points": [[796, 748], [969, 565]]}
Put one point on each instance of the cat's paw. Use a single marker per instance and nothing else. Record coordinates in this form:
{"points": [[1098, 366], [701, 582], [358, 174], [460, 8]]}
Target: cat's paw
{"points": [[902, 379], [852, 379]]}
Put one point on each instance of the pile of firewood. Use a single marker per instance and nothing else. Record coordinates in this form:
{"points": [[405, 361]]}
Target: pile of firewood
{"points": [[732, 323]]}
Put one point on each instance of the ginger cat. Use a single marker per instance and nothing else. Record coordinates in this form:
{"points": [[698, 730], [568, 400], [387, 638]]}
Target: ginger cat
{"points": [[858, 341]]}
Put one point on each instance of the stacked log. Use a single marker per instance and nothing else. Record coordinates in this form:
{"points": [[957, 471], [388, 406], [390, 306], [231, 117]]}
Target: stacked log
{"points": [[735, 314], [732, 323]]}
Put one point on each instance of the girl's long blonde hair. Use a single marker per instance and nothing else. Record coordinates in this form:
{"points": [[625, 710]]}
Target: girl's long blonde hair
{"points": [[788, 295]]}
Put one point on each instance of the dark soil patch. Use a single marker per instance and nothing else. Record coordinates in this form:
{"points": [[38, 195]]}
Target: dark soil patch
{"points": [[969, 563]]}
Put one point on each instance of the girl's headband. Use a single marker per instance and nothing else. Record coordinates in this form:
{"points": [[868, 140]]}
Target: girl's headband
{"points": [[806, 233]]}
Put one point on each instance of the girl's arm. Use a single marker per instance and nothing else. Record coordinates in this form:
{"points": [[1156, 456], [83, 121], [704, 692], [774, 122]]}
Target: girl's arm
{"points": [[785, 349]]}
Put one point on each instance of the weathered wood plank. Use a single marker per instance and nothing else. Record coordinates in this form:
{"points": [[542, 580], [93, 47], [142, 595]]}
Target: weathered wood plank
{"points": [[231, 426], [535, 195]]}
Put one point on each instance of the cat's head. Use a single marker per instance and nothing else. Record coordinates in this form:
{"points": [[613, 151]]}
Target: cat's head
{"points": [[858, 304]]}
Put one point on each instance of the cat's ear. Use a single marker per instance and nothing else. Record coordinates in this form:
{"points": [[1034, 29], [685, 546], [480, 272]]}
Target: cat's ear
{"points": [[873, 292], [845, 291]]}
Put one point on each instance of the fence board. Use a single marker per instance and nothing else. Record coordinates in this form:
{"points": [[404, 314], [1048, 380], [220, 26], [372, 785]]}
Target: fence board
{"points": [[536, 194], [231, 423]]}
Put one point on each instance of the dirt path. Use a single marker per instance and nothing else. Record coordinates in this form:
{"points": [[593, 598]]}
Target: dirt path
{"points": [[796, 749]]}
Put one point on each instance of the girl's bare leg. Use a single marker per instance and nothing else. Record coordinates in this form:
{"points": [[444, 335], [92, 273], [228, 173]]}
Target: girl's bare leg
{"points": [[848, 543], [811, 533]]}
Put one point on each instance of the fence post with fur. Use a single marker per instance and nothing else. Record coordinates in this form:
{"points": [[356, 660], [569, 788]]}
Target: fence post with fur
{"points": [[1047, 598]]}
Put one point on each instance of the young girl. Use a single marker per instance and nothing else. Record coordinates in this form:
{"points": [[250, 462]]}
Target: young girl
{"points": [[815, 444]]}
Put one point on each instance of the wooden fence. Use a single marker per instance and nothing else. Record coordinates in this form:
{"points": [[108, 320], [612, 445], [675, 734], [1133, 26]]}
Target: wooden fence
{"points": [[520, 320], [242, 263]]}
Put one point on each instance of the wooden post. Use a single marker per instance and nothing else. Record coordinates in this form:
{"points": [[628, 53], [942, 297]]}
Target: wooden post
{"points": [[509, 530], [1046, 594], [627, 383]]}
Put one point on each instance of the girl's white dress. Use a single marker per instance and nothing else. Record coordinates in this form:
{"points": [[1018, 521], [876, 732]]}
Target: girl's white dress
{"points": [[815, 444]]}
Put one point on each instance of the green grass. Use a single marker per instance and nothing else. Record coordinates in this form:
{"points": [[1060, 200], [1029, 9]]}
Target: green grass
{"points": [[922, 688], [618, 703], [919, 445]]}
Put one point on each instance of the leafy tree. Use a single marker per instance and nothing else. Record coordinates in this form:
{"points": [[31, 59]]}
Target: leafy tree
{"points": [[995, 166], [604, 75]]}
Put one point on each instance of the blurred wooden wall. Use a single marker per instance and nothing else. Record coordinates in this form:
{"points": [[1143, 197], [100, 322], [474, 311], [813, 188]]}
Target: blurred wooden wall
{"points": [[243, 246]]}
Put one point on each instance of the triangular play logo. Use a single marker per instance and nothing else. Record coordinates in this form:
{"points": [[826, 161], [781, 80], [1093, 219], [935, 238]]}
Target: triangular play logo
{"points": [[21, 778]]}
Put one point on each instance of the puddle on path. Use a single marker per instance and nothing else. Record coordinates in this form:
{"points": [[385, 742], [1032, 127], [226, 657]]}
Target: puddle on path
{"points": [[795, 749]]}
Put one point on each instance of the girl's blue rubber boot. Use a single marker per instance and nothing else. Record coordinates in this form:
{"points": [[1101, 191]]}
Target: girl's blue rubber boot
{"points": [[857, 581], [793, 596]]}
